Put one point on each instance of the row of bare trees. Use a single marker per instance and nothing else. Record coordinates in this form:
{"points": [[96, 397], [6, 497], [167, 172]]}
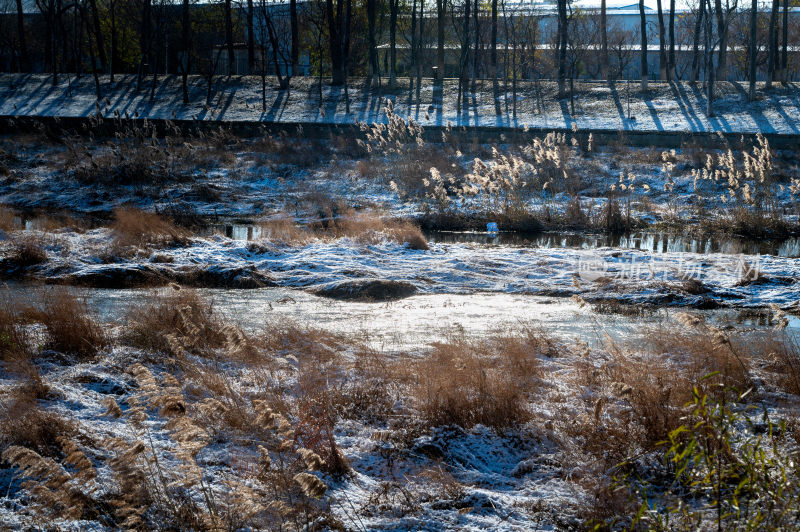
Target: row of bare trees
{"points": [[382, 39]]}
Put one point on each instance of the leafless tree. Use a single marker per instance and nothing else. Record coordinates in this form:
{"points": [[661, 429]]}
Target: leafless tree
{"points": [[772, 46], [662, 43], [23, 47], [441, 11], [643, 51], [698, 32], [603, 40], [562, 47], [751, 94]]}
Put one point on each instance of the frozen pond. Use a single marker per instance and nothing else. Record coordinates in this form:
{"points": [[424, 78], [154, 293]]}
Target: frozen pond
{"points": [[418, 321]]}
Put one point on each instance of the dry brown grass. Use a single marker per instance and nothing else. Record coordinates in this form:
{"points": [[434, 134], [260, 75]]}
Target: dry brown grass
{"points": [[467, 382], [292, 151], [701, 350], [27, 249], [24, 422], [70, 327], [285, 231], [654, 390], [7, 219], [651, 383], [364, 227], [15, 339], [781, 354], [135, 227], [410, 170], [174, 321]]}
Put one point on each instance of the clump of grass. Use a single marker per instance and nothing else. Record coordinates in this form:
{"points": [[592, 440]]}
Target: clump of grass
{"points": [[364, 227], [135, 227], [410, 235], [284, 230], [288, 151], [27, 249], [24, 422], [174, 321], [575, 216], [70, 327], [705, 349], [370, 228], [7, 219], [15, 338], [467, 383]]}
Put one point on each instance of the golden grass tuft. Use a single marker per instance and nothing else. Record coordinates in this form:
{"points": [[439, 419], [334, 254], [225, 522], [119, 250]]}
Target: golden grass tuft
{"points": [[24, 422], [467, 382], [174, 321], [135, 227], [365, 227], [283, 230], [27, 249], [71, 329], [15, 339]]}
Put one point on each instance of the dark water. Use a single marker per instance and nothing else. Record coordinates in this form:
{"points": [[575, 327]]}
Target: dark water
{"points": [[646, 241]]}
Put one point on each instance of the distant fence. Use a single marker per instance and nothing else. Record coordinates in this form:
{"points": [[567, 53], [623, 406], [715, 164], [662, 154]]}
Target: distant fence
{"points": [[58, 127]]}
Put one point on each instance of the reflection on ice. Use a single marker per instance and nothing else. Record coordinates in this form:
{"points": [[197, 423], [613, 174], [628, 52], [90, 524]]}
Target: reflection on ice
{"points": [[418, 321]]}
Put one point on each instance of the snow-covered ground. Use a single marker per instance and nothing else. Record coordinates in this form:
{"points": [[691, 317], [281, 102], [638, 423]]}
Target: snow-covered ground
{"points": [[322, 266], [680, 107], [535, 476], [354, 317]]}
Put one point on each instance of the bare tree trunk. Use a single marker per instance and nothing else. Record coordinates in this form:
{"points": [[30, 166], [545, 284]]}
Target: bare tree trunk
{"points": [[419, 47], [603, 40], [229, 36], [92, 59], [394, 6], [476, 52], [98, 34], [47, 12], [671, 69], [336, 40], [753, 48], [441, 9], [773, 45], [346, 53], [662, 43], [25, 63], [562, 47], [159, 40], [283, 81], [643, 31], [463, 77], [251, 39], [114, 51], [722, 33], [785, 50], [144, 42], [263, 59], [709, 53], [698, 28], [295, 29], [186, 51], [77, 41], [413, 50], [372, 45], [494, 58]]}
